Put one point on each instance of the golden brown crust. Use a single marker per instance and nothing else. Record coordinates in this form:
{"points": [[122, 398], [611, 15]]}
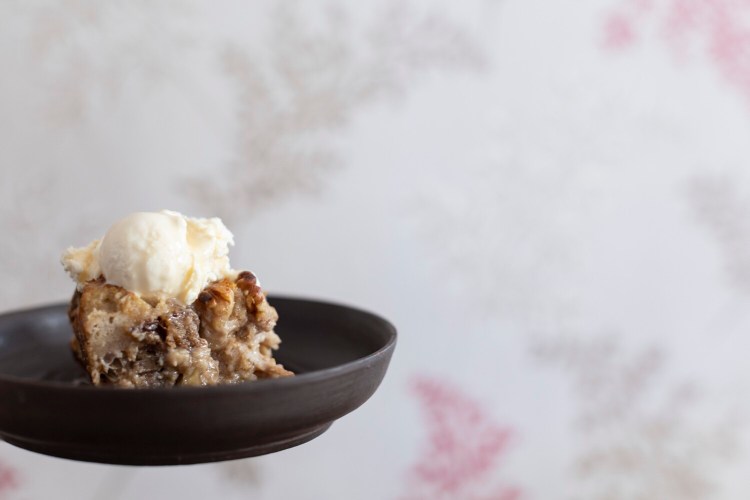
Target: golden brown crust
{"points": [[225, 336], [238, 323]]}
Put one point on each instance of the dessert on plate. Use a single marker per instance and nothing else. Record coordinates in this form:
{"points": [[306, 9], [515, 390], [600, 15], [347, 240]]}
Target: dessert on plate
{"points": [[158, 305]]}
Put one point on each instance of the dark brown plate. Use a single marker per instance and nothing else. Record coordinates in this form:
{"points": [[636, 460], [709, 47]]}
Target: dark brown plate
{"points": [[339, 353]]}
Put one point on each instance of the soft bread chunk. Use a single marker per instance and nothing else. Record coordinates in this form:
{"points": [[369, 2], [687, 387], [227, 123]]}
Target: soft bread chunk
{"points": [[225, 336]]}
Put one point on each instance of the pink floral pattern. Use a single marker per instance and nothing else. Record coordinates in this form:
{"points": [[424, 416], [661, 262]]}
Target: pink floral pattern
{"points": [[718, 28], [618, 31], [9, 480], [464, 446]]}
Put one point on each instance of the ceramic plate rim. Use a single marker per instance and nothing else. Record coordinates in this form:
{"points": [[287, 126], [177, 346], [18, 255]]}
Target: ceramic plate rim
{"points": [[302, 378]]}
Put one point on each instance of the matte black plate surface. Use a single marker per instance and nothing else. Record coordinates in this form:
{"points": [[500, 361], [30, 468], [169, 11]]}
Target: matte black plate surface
{"points": [[340, 355]]}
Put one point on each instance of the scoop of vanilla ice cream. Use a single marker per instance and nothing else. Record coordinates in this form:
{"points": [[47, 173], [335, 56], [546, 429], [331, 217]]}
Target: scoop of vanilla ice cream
{"points": [[157, 255], [82, 264]]}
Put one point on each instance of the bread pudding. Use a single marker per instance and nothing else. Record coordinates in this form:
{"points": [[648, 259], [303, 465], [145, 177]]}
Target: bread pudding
{"points": [[197, 322]]}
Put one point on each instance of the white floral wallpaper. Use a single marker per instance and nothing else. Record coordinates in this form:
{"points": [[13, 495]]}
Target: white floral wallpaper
{"points": [[549, 199]]}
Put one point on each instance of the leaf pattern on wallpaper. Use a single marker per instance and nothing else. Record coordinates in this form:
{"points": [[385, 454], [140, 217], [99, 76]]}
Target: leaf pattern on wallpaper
{"points": [[465, 446], [87, 55], [242, 474], [720, 29], [296, 96], [74, 60], [720, 204], [640, 434]]}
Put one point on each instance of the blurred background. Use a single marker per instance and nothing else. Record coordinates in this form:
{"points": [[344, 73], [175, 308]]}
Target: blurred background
{"points": [[551, 201]]}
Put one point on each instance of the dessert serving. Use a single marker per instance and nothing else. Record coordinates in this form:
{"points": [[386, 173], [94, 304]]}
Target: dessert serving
{"points": [[157, 305]]}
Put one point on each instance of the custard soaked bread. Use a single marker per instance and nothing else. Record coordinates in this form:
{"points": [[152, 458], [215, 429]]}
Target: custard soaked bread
{"points": [[225, 336], [130, 337]]}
